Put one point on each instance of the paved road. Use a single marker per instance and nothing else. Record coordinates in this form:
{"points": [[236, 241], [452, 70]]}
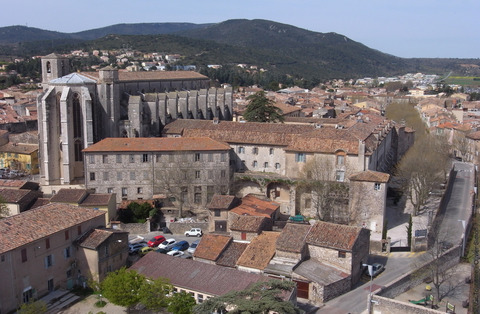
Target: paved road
{"points": [[459, 207]]}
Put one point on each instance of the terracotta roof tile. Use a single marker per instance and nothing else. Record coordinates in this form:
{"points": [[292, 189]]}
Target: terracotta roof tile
{"points": [[151, 76], [292, 237], [156, 144], [254, 206], [22, 197], [248, 223], [334, 236], [95, 237], [69, 196], [19, 148], [370, 176], [260, 251], [97, 200], [211, 246], [232, 253], [222, 201], [194, 275], [41, 222]]}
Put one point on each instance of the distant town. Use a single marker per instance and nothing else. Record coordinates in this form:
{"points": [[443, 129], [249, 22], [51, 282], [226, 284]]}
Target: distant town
{"points": [[357, 195]]}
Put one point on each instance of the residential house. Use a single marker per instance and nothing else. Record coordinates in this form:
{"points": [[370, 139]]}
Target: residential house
{"points": [[343, 247], [211, 247], [368, 200], [19, 156], [254, 207], [86, 198], [37, 251], [258, 253], [202, 280], [189, 170], [229, 257], [248, 227], [18, 200], [100, 251], [218, 212]]}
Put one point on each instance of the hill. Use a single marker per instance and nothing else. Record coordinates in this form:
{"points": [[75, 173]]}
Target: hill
{"points": [[279, 48]]}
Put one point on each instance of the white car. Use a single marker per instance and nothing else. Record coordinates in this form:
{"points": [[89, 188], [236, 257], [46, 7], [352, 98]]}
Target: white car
{"points": [[193, 247], [194, 232], [167, 244], [175, 253]]}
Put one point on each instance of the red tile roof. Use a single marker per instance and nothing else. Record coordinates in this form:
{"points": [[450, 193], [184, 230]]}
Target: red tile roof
{"points": [[333, 236], [95, 237], [97, 200], [41, 222], [248, 223], [156, 144], [222, 201], [254, 206], [151, 76], [292, 237], [370, 176], [232, 253], [211, 246], [260, 251], [15, 148], [69, 196]]}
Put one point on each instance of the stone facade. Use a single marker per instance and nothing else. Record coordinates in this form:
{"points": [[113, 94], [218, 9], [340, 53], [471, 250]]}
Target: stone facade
{"points": [[191, 176], [78, 109]]}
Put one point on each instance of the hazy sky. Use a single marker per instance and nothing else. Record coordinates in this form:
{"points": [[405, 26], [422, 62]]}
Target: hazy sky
{"points": [[408, 28]]}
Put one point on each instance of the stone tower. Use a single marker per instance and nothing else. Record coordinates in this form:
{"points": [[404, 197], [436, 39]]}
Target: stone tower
{"points": [[54, 66]]}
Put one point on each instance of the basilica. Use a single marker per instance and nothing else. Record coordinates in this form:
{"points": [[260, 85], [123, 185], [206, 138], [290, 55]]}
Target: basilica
{"points": [[79, 109]]}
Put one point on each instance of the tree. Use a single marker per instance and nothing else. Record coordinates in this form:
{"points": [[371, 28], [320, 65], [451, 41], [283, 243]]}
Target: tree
{"points": [[37, 307], [181, 303], [461, 144], [262, 109], [154, 294], [262, 297], [440, 272], [174, 182], [325, 193], [121, 287], [422, 168], [141, 211], [4, 211]]}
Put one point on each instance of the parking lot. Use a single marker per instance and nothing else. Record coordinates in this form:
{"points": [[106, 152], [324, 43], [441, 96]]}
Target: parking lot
{"points": [[144, 238]]}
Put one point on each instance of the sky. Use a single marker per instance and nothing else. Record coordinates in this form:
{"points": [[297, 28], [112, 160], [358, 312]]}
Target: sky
{"points": [[408, 28]]}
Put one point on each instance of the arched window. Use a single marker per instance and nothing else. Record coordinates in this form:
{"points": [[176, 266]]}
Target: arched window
{"points": [[49, 67], [78, 150], [77, 116], [57, 108], [124, 133]]}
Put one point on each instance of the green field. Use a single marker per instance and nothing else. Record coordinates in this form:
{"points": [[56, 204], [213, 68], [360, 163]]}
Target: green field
{"points": [[463, 80]]}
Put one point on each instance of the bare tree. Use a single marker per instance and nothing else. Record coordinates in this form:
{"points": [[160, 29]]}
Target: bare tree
{"points": [[4, 211], [422, 169], [174, 183], [461, 144], [325, 193], [440, 269]]}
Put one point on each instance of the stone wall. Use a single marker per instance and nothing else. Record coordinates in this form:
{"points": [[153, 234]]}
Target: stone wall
{"points": [[383, 305], [132, 228], [417, 276], [179, 227]]}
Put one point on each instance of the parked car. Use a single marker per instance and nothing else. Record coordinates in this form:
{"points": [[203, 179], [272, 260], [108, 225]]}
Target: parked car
{"points": [[162, 251], [186, 256], [135, 247], [180, 246], [175, 253], [167, 244], [155, 241], [194, 232], [146, 249], [193, 247], [377, 268]]}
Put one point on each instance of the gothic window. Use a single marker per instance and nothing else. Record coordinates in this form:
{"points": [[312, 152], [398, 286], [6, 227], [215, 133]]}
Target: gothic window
{"points": [[77, 116], [78, 150]]}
